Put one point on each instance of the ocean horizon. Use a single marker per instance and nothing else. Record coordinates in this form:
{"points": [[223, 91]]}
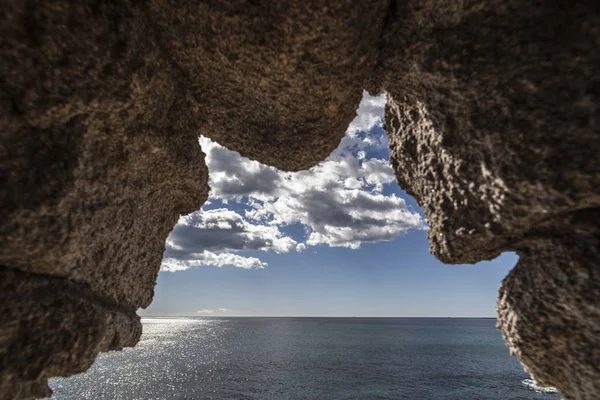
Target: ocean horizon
{"points": [[218, 357]]}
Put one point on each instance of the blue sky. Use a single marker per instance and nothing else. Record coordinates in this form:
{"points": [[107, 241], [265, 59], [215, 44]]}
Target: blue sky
{"points": [[338, 240]]}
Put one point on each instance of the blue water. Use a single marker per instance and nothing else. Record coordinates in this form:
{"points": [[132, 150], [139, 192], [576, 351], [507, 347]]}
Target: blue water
{"points": [[308, 358]]}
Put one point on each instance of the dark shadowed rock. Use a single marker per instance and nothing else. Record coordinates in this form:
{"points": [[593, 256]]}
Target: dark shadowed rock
{"points": [[72, 324], [548, 307], [493, 125], [99, 158], [492, 119], [102, 107], [276, 81]]}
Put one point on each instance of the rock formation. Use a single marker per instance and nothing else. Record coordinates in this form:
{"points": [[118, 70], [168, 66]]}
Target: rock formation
{"points": [[492, 119]]}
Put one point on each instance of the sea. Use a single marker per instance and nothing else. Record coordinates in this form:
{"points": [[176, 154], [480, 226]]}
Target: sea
{"points": [[309, 358]]}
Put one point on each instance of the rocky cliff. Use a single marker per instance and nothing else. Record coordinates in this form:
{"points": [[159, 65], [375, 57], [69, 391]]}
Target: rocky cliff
{"points": [[492, 120]]}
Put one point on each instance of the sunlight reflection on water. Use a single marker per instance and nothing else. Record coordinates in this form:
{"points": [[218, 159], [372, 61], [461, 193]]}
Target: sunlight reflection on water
{"points": [[291, 358], [162, 331]]}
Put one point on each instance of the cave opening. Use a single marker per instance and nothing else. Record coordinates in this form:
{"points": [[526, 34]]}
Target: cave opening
{"points": [[338, 240]]}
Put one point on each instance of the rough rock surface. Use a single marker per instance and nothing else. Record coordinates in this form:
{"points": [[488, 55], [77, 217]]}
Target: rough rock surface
{"points": [[493, 125], [493, 118], [99, 158], [72, 323], [548, 307], [277, 81], [102, 105], [493, 122]]}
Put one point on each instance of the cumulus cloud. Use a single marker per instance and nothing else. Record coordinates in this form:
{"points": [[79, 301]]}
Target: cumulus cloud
{"points": [[370, 114], [233, 176], [207, 258], [340, 202], [208, 237], [223, 229], [300, 247]]}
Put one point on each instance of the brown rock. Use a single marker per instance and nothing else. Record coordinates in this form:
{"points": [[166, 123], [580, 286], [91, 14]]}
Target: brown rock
{"points": [[52, 326], [277, 81], [99, 159], [549, 310], [492, 119], [102, 107], [493, 125]]}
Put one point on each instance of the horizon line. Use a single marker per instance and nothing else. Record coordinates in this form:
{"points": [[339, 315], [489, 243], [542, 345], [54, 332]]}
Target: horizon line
{"points": [[303, 316]]}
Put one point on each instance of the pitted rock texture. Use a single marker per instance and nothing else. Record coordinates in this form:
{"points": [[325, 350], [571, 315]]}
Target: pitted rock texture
{"points": [[492, 120], [102, 106], [548, 307], [99, 158], [72, 323], [276, 81]]}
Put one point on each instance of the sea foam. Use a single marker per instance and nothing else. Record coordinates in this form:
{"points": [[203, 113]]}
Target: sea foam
{"points": [[530, 384]]}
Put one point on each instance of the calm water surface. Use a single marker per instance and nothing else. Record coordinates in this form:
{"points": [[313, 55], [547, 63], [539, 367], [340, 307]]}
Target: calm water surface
{"points": [[308, 358]]}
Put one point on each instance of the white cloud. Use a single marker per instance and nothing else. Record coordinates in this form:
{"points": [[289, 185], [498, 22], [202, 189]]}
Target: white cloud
{"points": [[223, 229], [370, 114], [207, 258], [233, 176], [208, 311], [205, 238], [340, 202]]}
